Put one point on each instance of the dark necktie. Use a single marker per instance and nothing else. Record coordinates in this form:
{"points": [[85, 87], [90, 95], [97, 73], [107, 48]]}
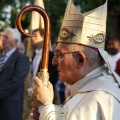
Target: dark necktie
{"points": [[2, 60]]}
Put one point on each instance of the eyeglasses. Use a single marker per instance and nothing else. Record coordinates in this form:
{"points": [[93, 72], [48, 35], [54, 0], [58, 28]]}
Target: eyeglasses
{"points": [[60, 55]]}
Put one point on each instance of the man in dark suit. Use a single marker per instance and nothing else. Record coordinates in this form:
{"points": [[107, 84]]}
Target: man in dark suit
{"points": [[12, 76], [53, 73]]}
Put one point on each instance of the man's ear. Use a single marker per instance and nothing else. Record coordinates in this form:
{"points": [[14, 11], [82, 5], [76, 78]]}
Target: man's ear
{"points": [[81, 58]]}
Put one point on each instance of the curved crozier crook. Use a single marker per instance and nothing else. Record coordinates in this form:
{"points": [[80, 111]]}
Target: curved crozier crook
{"points": [[45, 53]]}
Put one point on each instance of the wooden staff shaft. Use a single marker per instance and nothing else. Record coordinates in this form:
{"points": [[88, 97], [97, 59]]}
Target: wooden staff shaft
{"points": [[46, 45]]}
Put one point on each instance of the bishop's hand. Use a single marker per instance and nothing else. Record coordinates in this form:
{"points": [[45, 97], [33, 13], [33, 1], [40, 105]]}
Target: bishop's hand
{"points": [[42, 93]]}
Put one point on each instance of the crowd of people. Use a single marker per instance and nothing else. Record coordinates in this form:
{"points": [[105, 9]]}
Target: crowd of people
{"points": [[84, 84], [18, 70], [14, 67]]}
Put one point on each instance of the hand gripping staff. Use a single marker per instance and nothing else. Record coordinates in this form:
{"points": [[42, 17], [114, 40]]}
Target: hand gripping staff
{"points": [[43, 73]]}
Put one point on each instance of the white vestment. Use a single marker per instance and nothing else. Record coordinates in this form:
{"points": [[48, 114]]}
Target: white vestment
{"points": [[94, 97]]}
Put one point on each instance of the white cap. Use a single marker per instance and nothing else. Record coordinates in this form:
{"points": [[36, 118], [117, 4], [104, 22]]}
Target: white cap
{"points": [[87, 29]]}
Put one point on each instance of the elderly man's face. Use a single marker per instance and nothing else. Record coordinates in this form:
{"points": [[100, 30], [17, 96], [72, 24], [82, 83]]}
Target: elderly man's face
{"points": [[66, 64], [8, 41]]}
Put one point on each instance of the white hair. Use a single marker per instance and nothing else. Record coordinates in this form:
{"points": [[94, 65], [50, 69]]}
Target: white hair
{"points": [[21, 47], [94, 57], [16, 34]]}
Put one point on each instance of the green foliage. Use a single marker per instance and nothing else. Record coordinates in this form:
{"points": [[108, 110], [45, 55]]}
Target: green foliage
{"points": [[87, 5], [54, 8], [11, 8]]}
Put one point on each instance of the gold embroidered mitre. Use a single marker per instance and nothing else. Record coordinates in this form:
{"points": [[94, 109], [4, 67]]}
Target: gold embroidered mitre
{"points": [[87, 29]]}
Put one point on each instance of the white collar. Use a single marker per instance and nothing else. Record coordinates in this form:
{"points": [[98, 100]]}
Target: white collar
{"points": [[9, 53], [116, 55], [38, 51], [86, 79], [96, 71]]}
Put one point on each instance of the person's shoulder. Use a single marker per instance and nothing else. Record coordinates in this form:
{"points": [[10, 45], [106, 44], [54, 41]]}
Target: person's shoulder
{"points": [[23, 56], [90, 103], [92, 99], [95, 96]]}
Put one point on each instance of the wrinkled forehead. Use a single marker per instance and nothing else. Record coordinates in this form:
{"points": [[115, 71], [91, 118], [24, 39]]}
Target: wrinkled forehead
{"points": [[7, 33], [62, 46]]}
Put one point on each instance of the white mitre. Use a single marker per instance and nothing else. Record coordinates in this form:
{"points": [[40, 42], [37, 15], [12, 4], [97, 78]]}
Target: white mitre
{"points": [[87, 29]]}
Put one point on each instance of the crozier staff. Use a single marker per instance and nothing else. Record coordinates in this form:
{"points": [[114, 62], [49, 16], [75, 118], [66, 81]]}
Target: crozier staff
{"points": [[82, 62], [43, 74]]}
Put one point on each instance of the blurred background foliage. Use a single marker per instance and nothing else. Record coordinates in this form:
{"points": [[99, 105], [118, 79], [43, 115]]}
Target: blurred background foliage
{"points": [[55, 9], [86, 5]]}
